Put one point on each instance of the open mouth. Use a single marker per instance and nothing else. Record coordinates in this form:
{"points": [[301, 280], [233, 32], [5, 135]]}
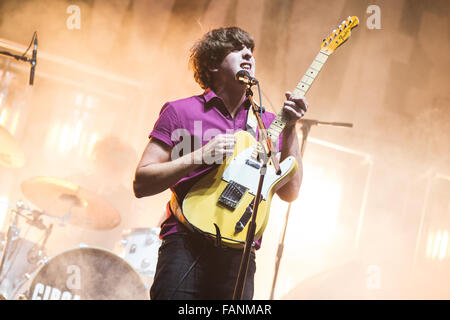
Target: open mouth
{"points": [[246, 66]]}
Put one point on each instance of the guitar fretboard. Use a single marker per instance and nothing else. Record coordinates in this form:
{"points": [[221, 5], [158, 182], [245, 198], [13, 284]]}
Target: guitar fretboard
{"points": [[302, 87]]}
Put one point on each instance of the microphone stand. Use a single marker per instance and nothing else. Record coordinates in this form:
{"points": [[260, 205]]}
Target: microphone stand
{"points": [[32, 61], [265, 154], [15, 56], [306, 128]]}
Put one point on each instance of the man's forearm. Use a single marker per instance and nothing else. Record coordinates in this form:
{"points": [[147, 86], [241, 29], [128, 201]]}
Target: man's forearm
{"points": [[157, 177], [289, 192]]}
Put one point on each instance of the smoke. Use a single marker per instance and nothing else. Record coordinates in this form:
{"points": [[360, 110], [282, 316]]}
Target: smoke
{"points": [[112, 76]]}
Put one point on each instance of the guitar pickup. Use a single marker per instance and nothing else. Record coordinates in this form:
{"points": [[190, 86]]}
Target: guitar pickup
{"points": [[231, 195], [253, 164]]}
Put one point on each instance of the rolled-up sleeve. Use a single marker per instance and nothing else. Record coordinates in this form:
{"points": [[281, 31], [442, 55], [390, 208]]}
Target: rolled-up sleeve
{"points": [[166, 126]]}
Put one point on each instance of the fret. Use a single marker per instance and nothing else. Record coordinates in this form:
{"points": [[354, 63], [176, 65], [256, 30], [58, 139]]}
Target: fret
{"points": [[278, 126], [254, 155], [299, 91], [321, 57], [316, 65], [312, 73], [275, 130], [307, 79], [303, 86], [273, 134]]}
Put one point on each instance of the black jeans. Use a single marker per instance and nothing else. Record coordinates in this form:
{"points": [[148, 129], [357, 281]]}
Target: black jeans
{"points": [[190, 267]]}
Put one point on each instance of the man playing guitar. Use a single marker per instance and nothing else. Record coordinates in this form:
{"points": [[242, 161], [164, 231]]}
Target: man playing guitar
{"points": [[189, 266]]}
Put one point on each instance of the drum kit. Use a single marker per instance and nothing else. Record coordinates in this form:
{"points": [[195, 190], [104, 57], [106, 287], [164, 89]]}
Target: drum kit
{"points": [[84, 272]]}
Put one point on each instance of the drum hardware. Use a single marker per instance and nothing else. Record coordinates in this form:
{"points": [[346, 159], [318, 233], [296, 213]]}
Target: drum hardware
{"points": [[20, 256], [71, 203], [37, 253], [11, 234], [139, 247], [22, 297], [145, 263]]}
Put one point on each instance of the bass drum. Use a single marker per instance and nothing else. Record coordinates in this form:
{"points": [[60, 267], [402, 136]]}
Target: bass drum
{"points": [[86, 274]]}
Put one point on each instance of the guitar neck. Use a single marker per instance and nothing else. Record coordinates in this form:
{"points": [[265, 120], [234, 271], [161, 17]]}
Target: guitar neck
{"points": [[302, 88]]}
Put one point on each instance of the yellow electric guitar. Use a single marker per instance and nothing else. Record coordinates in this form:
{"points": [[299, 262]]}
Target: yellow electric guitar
{"points": [[222, 200]]}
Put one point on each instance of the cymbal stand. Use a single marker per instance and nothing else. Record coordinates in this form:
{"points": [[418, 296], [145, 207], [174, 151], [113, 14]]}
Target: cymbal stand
{"points": [[38, 251], [12, 230]]}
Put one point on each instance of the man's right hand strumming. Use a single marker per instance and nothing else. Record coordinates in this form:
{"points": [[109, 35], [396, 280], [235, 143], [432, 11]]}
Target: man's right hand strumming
{"points": [[157, 171]]}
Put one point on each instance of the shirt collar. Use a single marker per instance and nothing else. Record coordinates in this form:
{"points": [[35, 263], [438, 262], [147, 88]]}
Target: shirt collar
{"points": [[210, 96]]}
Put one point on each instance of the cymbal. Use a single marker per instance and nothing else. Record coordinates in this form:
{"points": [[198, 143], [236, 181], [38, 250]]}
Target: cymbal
{"points": [[11, 155], [70, 202]]}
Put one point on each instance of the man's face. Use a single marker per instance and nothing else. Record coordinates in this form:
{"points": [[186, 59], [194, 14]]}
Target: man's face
{"points": [[236, 60]]}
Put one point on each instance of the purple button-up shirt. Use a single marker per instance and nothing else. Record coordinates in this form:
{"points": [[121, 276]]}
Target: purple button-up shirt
{"points": [[198, 119]]}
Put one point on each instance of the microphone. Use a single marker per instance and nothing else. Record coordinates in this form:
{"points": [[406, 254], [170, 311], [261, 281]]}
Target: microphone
{"points": [[245, 78], [33, 61]]}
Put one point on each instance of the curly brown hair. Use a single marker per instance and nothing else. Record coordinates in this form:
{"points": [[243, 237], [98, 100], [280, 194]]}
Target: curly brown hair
{"points": [[213, 47]]}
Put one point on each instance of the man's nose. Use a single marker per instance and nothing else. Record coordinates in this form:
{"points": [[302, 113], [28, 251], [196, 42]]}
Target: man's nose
{"points": [[247, 53]]}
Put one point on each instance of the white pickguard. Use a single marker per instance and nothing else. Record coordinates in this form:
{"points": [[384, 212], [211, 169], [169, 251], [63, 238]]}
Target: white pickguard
{"points": [[248, 176]]}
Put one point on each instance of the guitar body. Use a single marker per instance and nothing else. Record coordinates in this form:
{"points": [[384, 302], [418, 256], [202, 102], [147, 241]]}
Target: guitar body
{"points": [[206, 204]]}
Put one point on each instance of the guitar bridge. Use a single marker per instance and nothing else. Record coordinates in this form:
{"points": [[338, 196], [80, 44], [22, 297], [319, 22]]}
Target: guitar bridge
{"points": [[231, 195]]}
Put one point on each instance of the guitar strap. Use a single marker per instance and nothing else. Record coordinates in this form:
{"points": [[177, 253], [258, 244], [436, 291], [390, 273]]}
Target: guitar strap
{"points": [[252, 122]]}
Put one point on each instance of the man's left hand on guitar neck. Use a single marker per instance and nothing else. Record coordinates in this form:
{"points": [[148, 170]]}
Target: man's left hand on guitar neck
{"points": [[295, 107]]}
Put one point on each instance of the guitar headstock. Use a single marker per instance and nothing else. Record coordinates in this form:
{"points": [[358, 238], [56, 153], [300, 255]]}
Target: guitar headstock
{"points": [[339, 36]]}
